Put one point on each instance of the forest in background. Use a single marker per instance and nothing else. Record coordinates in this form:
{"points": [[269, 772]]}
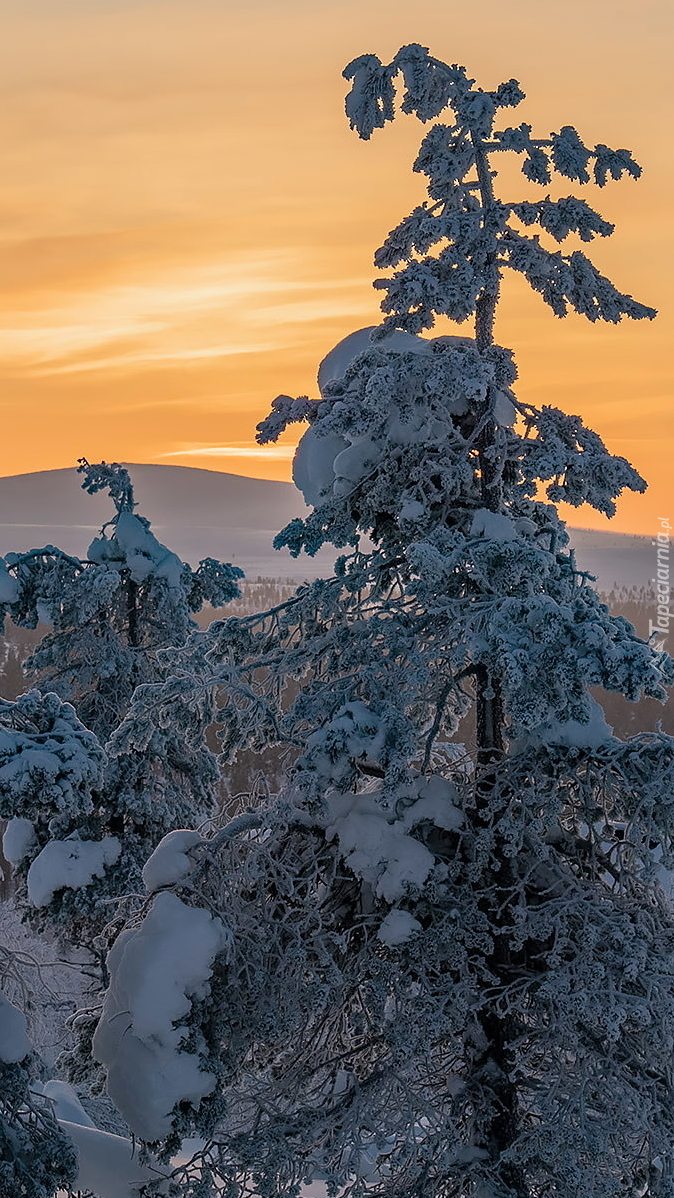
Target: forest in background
{"points": [[636, 604]]}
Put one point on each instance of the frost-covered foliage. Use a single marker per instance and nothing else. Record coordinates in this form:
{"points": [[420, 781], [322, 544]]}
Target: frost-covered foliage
{"points": [[158, 970], [78, 840], [424, 412], [403, 973], [51, 794], [444, 974], [81, 822], [112, 611], [36, 1157], [161, 775], [453, 589], [473, 234]]}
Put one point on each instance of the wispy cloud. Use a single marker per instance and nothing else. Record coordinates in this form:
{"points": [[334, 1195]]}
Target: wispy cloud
{"points": [[123, 361], [278, 452], [178, 317]]}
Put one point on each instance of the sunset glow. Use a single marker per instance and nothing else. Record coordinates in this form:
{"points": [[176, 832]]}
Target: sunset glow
{"points": [[188, 223]]}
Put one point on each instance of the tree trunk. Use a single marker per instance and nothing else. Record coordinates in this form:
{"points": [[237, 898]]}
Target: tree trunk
{"points": [[132, 612], [490, 1060]]}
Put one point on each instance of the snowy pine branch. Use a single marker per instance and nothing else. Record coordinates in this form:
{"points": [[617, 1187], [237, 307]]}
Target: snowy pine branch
{"points": [[465, 213], [112, 476]]}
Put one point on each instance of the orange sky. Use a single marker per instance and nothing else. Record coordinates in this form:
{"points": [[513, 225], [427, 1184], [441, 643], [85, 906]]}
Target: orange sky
{"points": [[187, 223]]}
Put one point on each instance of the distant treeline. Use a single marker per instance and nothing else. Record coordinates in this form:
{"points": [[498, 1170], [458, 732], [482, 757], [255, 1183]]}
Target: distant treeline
{"points": [[636, 604], [257, 595]]}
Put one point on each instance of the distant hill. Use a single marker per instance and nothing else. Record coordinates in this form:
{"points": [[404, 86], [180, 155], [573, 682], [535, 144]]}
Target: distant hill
{"points": [[616, 559], [205, 513], [197, 513]]}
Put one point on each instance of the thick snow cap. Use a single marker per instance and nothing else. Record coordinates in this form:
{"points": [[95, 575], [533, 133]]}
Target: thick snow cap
{"points": [[331, 464], [327, 464], [340, 358], [14, 1042], [313, 472]]}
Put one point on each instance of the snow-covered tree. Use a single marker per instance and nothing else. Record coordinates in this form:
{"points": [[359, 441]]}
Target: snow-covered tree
{"points": [[111, 611], [83, 819], [36, 1158], [422, 970], [57, 833]]}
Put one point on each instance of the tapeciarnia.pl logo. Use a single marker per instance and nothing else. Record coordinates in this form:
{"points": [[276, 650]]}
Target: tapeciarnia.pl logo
{"points": [[660, 627]]}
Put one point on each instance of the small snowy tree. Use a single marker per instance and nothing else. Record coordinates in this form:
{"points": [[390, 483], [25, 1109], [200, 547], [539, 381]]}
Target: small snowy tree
{"points": [[112, 611], [419, 971], [83, 821]]}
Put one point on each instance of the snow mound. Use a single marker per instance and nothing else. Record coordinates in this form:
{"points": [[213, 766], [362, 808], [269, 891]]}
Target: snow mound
{"points": [[571, 733], [379, 852], [18, 839], [14, 1042], [134, 548], [69, 863], [156, 970], [493, 526], [169, 862], [397, 927], [435, 805], [108, 1165], [333, 458], [336, 363], [374, 841], [330, 464], [313, 472], [66, 1103]]}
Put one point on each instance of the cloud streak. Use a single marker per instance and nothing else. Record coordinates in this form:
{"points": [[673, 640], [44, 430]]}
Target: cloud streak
{"points": [[178, 317], [283, 453]]}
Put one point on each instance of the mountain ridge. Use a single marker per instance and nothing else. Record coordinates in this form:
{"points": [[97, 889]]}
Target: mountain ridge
{"points": [[209, 513]]}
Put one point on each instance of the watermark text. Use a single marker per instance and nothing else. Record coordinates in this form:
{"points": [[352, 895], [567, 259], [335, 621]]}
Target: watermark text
{"points": [[659, 627]]}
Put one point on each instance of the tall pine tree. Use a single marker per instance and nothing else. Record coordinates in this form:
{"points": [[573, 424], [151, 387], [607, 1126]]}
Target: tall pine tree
{"points": [[428, 971]]}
